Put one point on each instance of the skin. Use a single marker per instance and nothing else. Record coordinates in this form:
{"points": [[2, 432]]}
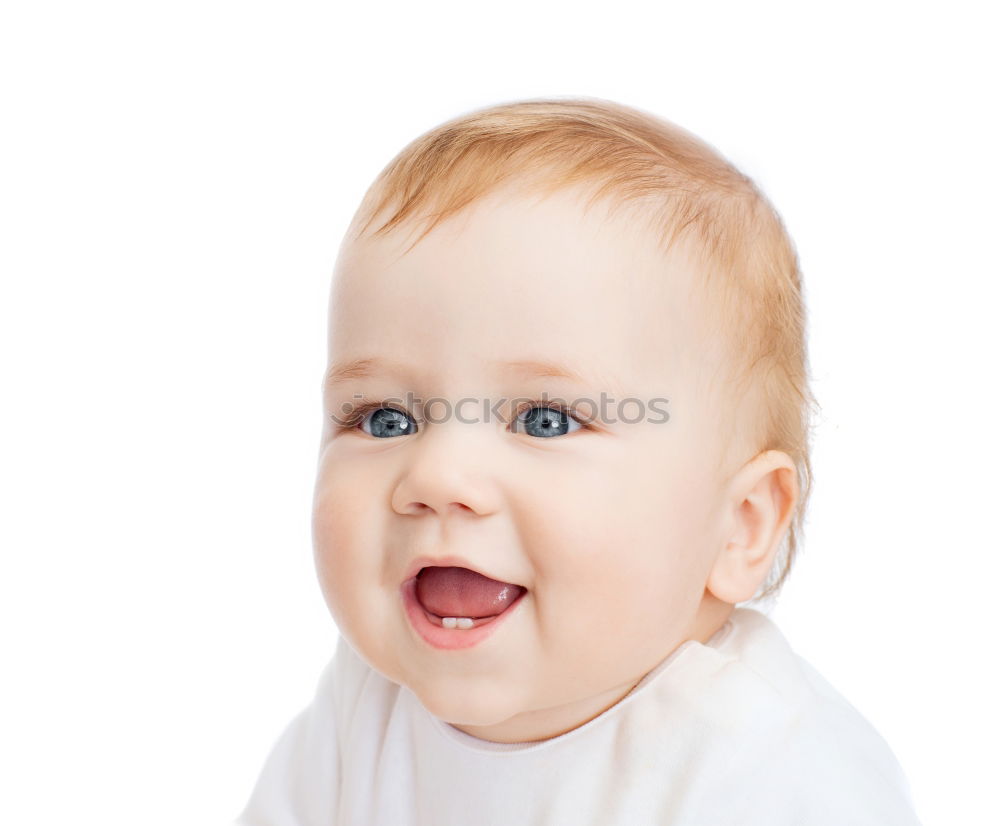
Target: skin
{"points": [[631, 538]]}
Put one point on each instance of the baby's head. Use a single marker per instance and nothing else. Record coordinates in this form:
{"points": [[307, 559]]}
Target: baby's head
{"points": [[566, 352]]}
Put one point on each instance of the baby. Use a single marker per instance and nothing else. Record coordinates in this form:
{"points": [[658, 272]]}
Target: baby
{"points": [[566, 435]]}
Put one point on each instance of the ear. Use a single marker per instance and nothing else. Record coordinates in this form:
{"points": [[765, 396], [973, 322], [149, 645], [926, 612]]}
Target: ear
{"points": [[759, 508]]}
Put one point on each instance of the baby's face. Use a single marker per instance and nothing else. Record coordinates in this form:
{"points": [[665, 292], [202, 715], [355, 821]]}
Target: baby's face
{"points": [[611, 528]]}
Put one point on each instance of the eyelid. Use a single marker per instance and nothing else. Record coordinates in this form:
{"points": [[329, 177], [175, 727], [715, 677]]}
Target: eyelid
{"points": [[357, 415]]}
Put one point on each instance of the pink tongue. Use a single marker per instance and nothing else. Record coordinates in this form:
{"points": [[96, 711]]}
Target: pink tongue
{"points": [[459, 592]]}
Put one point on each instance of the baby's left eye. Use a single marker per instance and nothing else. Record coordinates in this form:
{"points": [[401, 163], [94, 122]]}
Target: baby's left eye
{"points": [[544, 421]]}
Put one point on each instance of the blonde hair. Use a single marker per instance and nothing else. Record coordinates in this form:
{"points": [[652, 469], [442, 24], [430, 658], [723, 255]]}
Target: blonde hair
{"points": [[681, 188]]}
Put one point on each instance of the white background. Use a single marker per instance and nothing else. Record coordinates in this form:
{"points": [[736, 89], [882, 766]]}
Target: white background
{"points": [[176, 178]]}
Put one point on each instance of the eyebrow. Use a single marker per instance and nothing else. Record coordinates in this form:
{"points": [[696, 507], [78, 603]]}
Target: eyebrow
{"points": [[363, 368]]}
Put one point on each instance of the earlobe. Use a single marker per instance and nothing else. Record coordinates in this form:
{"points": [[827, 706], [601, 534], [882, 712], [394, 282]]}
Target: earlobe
{"points": [[764, 493]]}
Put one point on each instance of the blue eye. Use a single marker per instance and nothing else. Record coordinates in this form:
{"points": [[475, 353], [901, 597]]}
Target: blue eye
{"points": [[386, 422], [543, 421], [383, 421]]}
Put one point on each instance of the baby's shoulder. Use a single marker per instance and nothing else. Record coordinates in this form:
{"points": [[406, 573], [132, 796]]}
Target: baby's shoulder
{"points": [[802, 745], [826, 764]]}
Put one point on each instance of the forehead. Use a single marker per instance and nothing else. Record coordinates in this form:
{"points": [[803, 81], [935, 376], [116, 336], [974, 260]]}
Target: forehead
{"points": [[519, 276]]}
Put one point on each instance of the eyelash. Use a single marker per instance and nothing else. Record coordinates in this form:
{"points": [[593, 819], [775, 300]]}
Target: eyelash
{"points": [[359, 413]]}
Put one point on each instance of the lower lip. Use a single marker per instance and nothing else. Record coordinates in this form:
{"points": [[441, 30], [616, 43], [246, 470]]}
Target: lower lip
{"points": [[449, 638]]}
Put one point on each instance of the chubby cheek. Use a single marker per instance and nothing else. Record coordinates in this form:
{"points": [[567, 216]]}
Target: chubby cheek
{"points": [[342, 530], [616, 559]]}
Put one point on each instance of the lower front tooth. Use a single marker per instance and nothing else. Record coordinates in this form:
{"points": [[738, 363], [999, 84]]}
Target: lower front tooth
{"points": [[460, 622]]}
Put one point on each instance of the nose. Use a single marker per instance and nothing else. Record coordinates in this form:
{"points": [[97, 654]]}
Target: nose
{"points": [[447, 471]]}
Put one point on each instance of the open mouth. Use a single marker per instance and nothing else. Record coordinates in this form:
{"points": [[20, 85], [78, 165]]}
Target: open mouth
{"points": [[457, 597], [453, 607]]}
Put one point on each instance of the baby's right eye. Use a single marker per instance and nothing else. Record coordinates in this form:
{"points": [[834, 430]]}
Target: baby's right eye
{"points": [[384, 422]]}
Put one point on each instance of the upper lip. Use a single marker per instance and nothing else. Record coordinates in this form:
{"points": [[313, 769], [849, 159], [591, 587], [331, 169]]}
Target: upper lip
{"points": [[449, 561]]}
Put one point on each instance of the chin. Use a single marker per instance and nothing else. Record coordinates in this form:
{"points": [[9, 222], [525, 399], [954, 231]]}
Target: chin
{"points": [[461, 706]]}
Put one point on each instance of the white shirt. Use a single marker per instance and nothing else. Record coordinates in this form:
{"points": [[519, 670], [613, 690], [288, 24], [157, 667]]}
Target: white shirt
{"points": [[739, 731]]}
